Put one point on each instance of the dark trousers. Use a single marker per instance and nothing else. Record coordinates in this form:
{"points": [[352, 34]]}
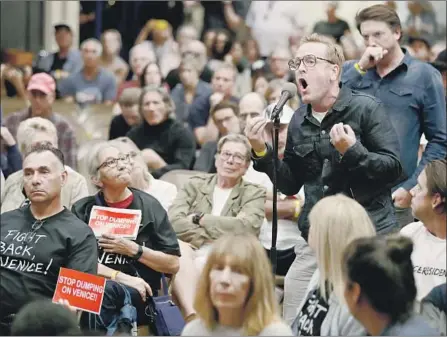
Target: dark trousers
{"points": [[112, 303], [284, 259]]}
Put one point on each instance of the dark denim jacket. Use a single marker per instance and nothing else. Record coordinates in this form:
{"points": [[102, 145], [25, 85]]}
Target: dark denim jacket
{"points": [[414, 100], [365, 172]]}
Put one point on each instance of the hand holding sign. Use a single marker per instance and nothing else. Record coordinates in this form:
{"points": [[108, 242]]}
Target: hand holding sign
{"points": [[118, 245], [120, 222], [79, 290]]}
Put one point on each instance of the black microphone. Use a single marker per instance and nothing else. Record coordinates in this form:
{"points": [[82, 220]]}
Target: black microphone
{"points": [[288, 91]]}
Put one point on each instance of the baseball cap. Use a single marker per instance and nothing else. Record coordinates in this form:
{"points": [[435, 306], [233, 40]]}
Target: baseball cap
{"points": [[62, 26], [42, 82], [286, 114]]}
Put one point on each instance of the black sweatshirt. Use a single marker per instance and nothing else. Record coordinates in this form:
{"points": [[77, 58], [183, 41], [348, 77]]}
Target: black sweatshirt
{"points": [[170, 140]]}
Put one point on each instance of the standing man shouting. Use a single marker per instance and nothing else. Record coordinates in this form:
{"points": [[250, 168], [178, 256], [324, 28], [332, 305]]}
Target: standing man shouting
{"points": [[341, 141]]}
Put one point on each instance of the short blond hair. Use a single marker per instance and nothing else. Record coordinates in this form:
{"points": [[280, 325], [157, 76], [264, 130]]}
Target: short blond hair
{"points": [[28, 129], [336, 221], [334, 52], [248, 255]]}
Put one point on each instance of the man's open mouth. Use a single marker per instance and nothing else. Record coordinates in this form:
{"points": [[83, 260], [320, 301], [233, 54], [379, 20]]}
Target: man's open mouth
{"points": [[303, 83]]}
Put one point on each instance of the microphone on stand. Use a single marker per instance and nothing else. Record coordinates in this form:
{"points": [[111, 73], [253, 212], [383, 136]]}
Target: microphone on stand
{"points": [[288, 91]]}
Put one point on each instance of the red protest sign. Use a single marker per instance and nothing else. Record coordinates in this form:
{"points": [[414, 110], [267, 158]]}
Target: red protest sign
{"points": [[83, 291], [121, 222]]}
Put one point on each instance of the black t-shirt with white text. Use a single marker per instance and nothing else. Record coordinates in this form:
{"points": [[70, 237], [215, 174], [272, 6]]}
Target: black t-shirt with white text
{"points": [[312, 315], [155, 232], [30, 261]]}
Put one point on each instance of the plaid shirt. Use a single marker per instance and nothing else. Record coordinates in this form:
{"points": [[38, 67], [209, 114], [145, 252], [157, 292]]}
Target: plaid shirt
{"points": [[65, 133]]}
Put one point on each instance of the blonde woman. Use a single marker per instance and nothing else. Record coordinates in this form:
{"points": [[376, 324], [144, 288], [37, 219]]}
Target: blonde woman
{"points": [[335, 221], [235, 295]]}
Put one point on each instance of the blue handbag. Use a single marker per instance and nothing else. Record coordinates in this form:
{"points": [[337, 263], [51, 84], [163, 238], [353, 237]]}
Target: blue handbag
{"points": [[165, 317]]}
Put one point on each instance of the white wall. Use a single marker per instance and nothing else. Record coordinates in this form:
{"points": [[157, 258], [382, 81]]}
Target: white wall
{"points": [[56, 12]]}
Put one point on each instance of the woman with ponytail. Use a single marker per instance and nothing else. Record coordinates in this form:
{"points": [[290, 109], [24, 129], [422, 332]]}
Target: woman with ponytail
{"points": [[380, 290]]}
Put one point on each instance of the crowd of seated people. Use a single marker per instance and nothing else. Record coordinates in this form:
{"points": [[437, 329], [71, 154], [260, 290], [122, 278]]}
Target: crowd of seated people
{"points": [[171, 139]]}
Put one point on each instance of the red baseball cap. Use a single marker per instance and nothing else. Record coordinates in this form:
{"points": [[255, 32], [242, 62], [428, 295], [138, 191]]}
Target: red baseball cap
{"points": [[42, 82]]}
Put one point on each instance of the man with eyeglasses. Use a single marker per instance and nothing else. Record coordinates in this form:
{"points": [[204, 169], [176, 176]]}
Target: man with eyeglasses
{"points": [[135, 265], [38, 239], [340, 141], [211, 205]]}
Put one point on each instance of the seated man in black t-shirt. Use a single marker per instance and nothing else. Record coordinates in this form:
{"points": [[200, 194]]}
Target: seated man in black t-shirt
{"points": [[40, 238], [134, 264]]}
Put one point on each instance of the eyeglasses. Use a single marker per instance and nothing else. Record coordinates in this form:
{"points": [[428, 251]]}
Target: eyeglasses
{"points": [[34, 228], [238, 158], [309, 61], [114, 162]]}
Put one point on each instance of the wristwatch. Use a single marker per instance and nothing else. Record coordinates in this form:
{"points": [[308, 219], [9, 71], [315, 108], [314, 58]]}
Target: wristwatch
{"points": [[196, 218], [137, 256]]}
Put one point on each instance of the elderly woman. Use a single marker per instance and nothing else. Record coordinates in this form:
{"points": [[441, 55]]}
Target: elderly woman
{"points": [[136, 264], [141, 178], [380, 290], [235, 295], [165, 143], [33, 131], [335, 221]]}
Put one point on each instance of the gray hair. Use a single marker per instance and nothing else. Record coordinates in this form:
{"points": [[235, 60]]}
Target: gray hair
{"points": [[166, 98], [143, 46], [93, 158], [97, 44], [235, 138], [28, 129]]}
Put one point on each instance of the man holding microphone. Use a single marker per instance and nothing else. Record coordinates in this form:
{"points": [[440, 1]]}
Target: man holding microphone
{"points": [[414, 100], [341, 141]]}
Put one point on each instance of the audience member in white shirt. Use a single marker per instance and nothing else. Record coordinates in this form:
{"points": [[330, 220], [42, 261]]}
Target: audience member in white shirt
{"points": [[429, 234]]}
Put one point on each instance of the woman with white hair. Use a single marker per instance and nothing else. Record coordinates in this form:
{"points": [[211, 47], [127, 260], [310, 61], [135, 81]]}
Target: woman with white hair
{"points": [[33, 131], [335, 221], [235, 295]]}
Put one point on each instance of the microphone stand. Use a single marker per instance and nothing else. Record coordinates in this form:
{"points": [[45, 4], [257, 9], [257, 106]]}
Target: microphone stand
{"points": [[276, 125]]}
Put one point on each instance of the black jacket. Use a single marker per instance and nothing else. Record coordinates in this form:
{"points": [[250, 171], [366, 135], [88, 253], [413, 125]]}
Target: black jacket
{"points": [[365, 173]]}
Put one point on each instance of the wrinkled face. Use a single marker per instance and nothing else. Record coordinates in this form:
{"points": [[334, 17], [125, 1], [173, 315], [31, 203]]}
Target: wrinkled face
{"points": [[316, 78], [90, 54], [43, 177], [139, 59], [422, 203], [229, 286], [154, 109], [64, 38], [261, 85], [249, 107], [279, 64], [136, 162], [114, 169], [232, 161], [226, 121], [282, 136], [223, 81], [111, 43], [152, 75], [379, 34], [188, 75], [131, 114], [40, 102]]}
